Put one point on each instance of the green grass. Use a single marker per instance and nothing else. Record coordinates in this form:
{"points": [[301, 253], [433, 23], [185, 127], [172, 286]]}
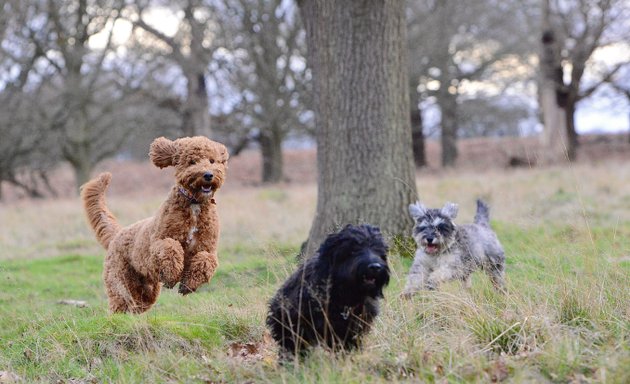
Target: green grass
{"points": [[565, 318]]}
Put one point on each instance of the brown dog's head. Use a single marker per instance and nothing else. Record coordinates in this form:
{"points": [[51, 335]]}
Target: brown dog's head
{"points": [[200, 163]]}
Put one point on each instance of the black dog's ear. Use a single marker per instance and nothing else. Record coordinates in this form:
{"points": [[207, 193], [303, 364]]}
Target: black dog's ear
{"points": [[162, 152]]}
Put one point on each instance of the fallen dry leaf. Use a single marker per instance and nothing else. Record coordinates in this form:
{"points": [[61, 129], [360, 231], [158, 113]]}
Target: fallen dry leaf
{"points": [[498, 371]]}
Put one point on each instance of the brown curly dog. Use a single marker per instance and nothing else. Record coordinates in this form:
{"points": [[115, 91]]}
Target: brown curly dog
{"points": [[179, 243]]}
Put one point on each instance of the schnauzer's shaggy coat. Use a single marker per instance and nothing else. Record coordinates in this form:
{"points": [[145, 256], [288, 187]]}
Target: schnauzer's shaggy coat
{"points": [[447, 252], [332, 298], [179, 243]]}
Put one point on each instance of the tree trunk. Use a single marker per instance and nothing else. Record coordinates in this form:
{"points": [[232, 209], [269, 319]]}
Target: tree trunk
{"points": [[446, 98], [357, 51], [553, 95], [448, 122], [571, 132], [417, 136], [82, 169], [196, 119], [271, 150]]}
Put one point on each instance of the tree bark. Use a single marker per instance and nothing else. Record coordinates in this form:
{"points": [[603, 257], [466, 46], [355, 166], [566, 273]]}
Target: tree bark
{"points": [[357, 51], [271, 150]]}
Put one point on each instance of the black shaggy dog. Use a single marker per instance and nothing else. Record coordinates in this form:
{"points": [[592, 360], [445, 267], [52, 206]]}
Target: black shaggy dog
{"points": [[332, 298]]}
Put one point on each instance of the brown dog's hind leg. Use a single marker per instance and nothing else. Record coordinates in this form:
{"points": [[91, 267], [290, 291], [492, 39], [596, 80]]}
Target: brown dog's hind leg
{"points": [[199, 270], [168, 256]]}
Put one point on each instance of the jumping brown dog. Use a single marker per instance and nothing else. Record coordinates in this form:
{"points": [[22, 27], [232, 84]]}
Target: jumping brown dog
{"points": [[179, 243]]}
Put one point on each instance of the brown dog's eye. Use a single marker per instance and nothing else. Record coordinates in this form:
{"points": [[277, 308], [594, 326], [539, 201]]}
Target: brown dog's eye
{"points": [[211, 161], [192, 162]]}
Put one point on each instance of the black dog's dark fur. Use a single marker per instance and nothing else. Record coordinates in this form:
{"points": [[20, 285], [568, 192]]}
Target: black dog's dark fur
{"points": [[332, 298]]}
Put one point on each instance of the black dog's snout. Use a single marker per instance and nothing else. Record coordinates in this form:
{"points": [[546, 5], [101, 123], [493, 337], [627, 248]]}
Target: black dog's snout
{"points": [[375, 267], [207, 176]]}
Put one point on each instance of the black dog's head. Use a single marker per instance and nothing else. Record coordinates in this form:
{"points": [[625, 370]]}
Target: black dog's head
{"points": [[356, 258], [434, 229]]}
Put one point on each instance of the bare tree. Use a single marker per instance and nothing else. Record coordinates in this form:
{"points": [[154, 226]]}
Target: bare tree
{"points": [[620, 82], [357, 51], [26, 153], [580, 28], [453, 44], [191, 49], [87, 90], [267, 69]]}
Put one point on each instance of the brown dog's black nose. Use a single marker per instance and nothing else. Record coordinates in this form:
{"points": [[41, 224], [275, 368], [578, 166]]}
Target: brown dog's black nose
{"points": [[207, 176]]}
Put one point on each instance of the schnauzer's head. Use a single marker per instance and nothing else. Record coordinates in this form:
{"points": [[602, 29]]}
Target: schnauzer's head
{"points": [[200, 163], [356, 258], [434, 229]]}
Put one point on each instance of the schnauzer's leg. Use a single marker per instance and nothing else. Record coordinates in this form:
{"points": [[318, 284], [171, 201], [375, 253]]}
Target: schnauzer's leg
{"points": [[168, 256], [438, 276], [467, 281], [497, 277], [198, 270], [415, 280]]}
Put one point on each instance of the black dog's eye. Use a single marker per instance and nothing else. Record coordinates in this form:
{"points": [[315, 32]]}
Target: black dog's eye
{"points": [[421, 228], [441, 227], [211, 161]]}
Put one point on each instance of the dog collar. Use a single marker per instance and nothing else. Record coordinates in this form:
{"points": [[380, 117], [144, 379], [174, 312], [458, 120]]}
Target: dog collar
{"points": [[188, 195]]}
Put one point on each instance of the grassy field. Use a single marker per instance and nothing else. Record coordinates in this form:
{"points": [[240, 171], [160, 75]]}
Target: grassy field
{"points": [[566, 318]]}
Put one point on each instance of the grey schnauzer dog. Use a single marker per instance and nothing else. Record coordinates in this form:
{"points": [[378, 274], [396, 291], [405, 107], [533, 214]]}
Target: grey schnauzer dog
{"points": [[448, 252]]}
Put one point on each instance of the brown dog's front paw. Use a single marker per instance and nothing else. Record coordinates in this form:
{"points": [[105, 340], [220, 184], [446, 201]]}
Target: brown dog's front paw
{"points": [[169, 259], [184, 289], [166, 282]]}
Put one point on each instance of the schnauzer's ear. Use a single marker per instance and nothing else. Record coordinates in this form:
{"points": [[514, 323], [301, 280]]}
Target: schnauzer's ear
{"points": [[162, 152], [417, 210], [450, 210]]}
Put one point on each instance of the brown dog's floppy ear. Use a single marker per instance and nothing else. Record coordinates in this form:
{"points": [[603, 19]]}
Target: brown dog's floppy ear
{"points": [[162, 152]]}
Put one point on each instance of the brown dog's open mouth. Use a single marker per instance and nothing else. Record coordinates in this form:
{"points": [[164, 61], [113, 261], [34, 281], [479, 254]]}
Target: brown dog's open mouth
{"points": [[206, 189]]}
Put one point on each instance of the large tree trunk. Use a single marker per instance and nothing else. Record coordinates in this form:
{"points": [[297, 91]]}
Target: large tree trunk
{"points": [[196, 119], [553, 95], [357, 51], [271, 150]]}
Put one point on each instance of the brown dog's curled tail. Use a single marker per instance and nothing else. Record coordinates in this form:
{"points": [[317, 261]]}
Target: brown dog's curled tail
{"points": [[103, 222]]}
